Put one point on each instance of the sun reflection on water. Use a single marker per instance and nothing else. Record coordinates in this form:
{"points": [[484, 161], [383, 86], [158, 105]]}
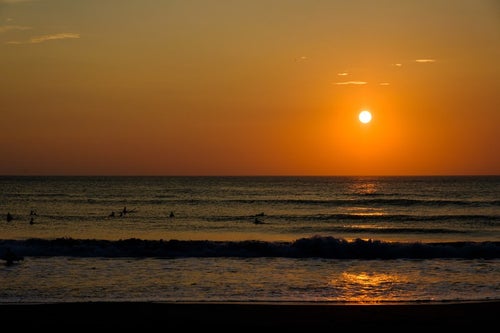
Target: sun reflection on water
{"points": [[366, 287], [364, 187]]}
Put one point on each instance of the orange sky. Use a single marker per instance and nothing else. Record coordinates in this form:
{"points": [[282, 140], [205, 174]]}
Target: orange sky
{"points": [[194, 87]]}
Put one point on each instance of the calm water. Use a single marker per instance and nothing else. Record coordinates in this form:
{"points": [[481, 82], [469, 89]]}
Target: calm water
{"points": [[318, 239]]}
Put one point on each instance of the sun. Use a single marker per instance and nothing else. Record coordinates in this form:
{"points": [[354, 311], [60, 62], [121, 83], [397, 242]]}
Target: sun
{"points": [[365, 117]]}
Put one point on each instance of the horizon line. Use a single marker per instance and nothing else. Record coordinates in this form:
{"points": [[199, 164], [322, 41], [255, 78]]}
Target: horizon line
{"points": [[248, 175]]}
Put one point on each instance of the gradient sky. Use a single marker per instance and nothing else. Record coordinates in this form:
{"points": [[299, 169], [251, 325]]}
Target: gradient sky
{"points": [[233, 87]]}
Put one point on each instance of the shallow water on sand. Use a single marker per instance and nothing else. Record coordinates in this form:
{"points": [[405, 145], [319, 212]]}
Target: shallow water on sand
{"points": [[66, 279]]}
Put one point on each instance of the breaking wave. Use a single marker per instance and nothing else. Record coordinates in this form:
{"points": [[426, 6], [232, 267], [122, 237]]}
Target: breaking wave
{"points": [[316, 246]]}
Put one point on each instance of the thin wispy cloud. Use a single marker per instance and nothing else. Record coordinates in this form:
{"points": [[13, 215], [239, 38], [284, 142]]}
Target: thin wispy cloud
{"points": [[16, 1], [6, 28], [425, 61], [45, 38], [343, 74], [302, 58], [66, 35], [354, 83]]}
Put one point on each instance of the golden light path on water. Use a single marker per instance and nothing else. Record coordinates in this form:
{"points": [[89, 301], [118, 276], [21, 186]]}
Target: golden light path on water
{"points": [[367, 287]]}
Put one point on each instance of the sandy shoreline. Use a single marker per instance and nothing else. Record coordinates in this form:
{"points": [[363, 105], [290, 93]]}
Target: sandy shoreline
{"points": [[251, 315]]}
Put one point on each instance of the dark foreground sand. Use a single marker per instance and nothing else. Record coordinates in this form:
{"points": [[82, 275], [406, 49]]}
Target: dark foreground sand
{"points": [[237, 316]]}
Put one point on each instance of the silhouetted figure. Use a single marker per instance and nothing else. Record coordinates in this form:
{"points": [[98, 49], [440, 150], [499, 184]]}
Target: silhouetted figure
{"points": [[33, 213], [112, 214], [124, 211], [10, 257], [172, 214], [32, 220], [258, 221], [9, 217]]}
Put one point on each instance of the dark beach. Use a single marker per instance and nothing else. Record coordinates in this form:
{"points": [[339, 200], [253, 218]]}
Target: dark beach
{"points": [[296, 316]]}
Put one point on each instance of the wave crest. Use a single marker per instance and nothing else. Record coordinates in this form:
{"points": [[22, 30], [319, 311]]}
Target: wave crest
{"points": [[316, 246]]}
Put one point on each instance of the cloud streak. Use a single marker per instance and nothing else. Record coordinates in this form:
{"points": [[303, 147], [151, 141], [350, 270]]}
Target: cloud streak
{"points": [[425, 61], [302, 58], [16, 1], [354, 83], [45, 38], [6, 28]]}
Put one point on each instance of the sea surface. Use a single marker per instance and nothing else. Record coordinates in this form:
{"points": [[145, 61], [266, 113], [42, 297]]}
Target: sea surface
{"points": [[250, 239]]}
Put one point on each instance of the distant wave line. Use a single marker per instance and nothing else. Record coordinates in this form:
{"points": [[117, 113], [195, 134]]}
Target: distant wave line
{"points": [[489, 220], [363, 217], [391, 230], [371, 202]]}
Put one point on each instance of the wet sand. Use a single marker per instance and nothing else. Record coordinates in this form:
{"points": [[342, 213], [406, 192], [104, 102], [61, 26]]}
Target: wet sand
{"points": [[244, 316]]}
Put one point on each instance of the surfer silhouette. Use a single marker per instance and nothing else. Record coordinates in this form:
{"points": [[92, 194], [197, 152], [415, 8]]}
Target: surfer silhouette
{"points": [[10, 257], [258, 221]]}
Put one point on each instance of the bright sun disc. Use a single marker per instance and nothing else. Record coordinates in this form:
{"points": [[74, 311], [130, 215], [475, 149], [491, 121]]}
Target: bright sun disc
{"points": [[365, 117]]}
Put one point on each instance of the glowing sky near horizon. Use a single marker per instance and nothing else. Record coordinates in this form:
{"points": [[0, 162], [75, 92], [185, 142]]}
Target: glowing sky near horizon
{"points": [[193, 87]]}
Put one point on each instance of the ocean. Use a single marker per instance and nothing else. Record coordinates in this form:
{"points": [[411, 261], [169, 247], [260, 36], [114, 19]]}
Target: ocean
{"points": [[250, 239]]}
